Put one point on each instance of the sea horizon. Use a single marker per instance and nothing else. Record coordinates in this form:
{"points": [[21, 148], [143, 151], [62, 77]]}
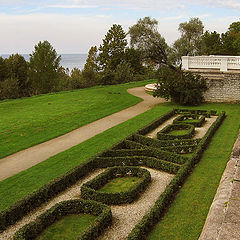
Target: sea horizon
{"points": [[68, 60]]}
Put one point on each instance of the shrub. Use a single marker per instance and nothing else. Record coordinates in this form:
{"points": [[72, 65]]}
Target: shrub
{"points": [[194, 120], [182, 87], [103, 213], [90, 190], [164, 134], [9, 88]]}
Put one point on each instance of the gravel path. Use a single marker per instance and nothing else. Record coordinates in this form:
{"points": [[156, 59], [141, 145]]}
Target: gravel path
{"points": [[27, 158], [71, 193], [125, 217], [199, 131]]}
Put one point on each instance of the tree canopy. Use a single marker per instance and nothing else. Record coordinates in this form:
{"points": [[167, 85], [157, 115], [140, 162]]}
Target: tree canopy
{"points": [[44, 68], [144, 37], [111, 51]]}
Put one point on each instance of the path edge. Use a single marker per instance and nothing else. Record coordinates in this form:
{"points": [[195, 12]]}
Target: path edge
{"points": [[217, 212]]}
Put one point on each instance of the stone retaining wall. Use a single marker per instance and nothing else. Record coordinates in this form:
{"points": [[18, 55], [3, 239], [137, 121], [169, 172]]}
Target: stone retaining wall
{"points": [[223, 86]]}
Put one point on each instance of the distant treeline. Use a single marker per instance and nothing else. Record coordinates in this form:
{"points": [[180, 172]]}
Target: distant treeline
{"points": [[114, 62]]}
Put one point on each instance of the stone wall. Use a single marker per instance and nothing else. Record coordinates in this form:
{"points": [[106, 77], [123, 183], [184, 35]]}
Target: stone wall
{"points": [[223, 86]]}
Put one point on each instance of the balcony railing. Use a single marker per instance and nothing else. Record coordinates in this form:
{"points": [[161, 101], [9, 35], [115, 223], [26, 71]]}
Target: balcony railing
{"points": [[222, 63]]}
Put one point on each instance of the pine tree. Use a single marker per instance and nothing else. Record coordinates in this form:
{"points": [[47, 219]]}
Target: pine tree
{"points": [[44, 68], [111, 52]]}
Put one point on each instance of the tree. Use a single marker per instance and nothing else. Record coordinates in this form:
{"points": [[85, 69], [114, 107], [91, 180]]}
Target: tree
{"points": [[3, 69], [17, 68], [133, 58], [90, 71], [77, 81], [44, 68], [182, 87], [190, 42], [112, 50], [144, 37], [212, 44]]}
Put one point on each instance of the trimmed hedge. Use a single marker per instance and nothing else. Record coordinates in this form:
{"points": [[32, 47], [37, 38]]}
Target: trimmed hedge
{"points": [[57, 212], [198, 123], [164, 134], [149, 152], [150, 219], [103, 162], [156, 123], [152, 142], [198, 112], [22, 207], [91, 190]]}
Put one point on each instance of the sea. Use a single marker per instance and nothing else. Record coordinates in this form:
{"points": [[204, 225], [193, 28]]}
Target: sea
{"points": [[69, 61]]}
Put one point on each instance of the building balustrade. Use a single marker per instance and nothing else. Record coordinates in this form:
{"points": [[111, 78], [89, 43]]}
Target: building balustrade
{"points": [[222, 63]]}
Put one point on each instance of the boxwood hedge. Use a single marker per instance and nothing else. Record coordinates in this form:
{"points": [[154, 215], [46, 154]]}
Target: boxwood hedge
{"points": [[164, 134], [91, 189], [57, 212], [151, 156], [197, 120]]}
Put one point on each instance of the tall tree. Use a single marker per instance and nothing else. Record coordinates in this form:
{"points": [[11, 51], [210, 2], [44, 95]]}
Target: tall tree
{"points": [[3, 69], [90, 71], [212, 44], [190, 42], [44, 68], [144, 37], [111, 51], [17, 68]]}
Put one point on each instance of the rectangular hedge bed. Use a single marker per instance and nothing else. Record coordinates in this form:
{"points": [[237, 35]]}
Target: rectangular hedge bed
{"points": [[135, 150], [92, 189], [57, 212]]}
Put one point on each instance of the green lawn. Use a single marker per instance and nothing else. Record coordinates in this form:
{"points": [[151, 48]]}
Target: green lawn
{"points": [[188, 212], [186, 217], [68, 228], [28, 121], [121, 184]]}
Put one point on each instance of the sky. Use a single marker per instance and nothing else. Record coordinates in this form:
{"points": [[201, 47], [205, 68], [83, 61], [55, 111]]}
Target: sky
{"points": [[73, 26]]}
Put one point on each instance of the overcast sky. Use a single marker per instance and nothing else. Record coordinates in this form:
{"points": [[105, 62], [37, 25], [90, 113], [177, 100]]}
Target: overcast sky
{"points": [[73, 26]]}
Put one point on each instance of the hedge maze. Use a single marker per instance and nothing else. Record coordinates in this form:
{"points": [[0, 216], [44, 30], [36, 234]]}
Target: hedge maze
{"points": [[175, 150]]}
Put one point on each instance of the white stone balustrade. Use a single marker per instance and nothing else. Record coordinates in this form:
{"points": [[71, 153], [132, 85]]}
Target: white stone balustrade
{"points": [[222, 63]]}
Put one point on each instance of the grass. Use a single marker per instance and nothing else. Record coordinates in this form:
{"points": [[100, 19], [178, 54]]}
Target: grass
{"points": [[187, 214], [28, 121], [178, 132], [120, 184], [186, 217], [68, 228]]}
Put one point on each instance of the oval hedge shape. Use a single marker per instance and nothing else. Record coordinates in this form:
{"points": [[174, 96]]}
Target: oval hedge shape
{"points": [[90, 190], [164, 134], [58, 211], [194, 119]]}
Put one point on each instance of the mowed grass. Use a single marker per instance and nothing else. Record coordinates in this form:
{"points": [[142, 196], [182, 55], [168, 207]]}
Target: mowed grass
{"points": [[187, 214], [121, 184], [28, 121], [68, 228]]}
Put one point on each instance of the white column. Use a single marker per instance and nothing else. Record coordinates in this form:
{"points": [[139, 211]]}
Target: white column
{"points": [[185, 62], [224, 64]]}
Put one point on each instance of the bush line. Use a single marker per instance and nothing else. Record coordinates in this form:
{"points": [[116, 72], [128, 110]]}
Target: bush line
{"points": [[90, 190], [62, 209], [22, 207], [150, 219]]}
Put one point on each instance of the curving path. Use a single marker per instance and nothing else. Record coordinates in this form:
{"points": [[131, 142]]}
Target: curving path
{"points": [[29, 157]]}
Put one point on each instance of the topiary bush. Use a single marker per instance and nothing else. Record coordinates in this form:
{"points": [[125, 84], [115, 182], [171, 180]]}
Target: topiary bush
{"points": [[165, 133], [91, 189], [193, 119], [35, 228]]}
